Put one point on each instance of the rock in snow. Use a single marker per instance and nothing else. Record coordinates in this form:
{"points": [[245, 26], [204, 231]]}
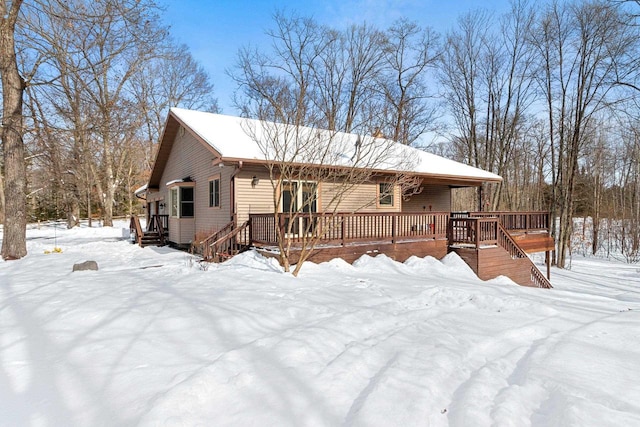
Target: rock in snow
{"points": [[87, 265]]}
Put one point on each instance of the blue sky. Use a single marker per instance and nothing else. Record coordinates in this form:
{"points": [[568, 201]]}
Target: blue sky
{"points": [[215, 29]]}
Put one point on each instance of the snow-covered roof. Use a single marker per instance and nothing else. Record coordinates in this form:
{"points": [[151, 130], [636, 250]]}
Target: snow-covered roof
{"points": [[237, 138], [140, 190]]}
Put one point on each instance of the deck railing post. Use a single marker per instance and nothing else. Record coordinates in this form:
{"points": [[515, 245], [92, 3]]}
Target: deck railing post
{"points": [[394, 223]]}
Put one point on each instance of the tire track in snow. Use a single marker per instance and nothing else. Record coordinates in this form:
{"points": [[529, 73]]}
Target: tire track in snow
{"points": [[371, 386], [491, 360], [486, 394]]}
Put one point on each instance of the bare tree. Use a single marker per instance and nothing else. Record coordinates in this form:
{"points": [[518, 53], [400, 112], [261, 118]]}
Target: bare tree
{"points": [[14, 244], [580, 46], [409, 53], [300, 158], [172, 79], [487, 78], [285, 92]]}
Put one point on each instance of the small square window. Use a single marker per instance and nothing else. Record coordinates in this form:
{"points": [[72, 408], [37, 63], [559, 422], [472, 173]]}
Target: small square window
{"points": [[385, 194]]}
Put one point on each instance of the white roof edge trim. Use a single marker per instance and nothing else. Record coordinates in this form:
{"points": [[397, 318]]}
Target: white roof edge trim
{"points": [[141, 190]]}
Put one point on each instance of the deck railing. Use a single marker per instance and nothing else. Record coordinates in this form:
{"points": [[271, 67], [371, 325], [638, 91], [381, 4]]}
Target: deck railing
{"points": [[225, 242], [506, 241], [514, 221], [136, 229], [479, 231], [344, 228], [158, 223], [473, 231]]}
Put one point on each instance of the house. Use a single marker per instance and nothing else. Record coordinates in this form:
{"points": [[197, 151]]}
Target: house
{"points": [[213, 182]]}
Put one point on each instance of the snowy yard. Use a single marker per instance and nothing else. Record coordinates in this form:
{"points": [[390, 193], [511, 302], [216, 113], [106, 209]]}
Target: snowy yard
{"points": [[152, 339]]}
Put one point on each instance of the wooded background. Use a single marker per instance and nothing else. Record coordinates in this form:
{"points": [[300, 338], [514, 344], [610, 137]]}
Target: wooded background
{"points": [[545, 96]]}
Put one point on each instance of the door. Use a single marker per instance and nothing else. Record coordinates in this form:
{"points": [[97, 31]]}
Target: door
{"points": [[300, 202]]}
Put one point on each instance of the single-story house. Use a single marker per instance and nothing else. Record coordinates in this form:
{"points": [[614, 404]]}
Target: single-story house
{"points": [[214, 173]]}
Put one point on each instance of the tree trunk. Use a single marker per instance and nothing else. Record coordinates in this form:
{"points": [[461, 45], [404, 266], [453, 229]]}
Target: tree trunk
{"points": [[1, 197], [14, 245]]}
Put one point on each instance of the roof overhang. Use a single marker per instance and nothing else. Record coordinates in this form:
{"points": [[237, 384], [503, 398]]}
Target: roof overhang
{"points": [[441, 179]]}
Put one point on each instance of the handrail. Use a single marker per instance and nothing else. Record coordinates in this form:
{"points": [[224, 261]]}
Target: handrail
{"points": [[216, 234], [205, 243], [134, 226], [156, 226], [510, 245], [224, 245], [516, 221], [158, 223]]}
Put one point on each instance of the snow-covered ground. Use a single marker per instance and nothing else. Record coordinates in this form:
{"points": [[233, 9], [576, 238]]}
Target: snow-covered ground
{"points": [[154, 339]]}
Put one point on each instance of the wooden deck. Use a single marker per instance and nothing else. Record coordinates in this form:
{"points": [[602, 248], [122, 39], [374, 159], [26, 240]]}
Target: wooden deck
{"points": [[492, 244]]}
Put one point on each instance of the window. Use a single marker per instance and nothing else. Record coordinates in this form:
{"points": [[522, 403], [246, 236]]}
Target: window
{"points": [[300, 199], [214, 193], [299, 196], [385, 194], [173, 196], [181, 202], [186, 202]]}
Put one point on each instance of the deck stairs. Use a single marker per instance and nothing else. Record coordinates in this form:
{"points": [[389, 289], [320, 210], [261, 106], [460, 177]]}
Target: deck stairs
{"points": [[154, 235], [490, 250], [225, 243]]}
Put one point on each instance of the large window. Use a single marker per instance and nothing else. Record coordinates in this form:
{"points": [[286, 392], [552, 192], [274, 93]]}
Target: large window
{"points": [[300, 198], [182, 202], [385, 194], [214, 193]]}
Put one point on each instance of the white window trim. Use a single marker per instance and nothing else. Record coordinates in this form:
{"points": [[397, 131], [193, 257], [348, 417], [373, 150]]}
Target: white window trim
{"points": [[176, 185]]}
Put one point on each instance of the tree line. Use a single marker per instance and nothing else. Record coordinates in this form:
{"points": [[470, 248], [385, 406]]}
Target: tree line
{"points": [[86, 86], [544, 95]]}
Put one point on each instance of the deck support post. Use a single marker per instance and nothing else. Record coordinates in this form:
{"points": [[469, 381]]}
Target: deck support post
{"points": [[547, 260]]}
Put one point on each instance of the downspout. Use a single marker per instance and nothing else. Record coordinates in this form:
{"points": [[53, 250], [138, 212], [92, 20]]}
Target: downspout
{"points": [[232, 194], [147, 213]]}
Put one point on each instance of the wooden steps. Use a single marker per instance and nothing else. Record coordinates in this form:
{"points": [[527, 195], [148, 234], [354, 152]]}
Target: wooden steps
{"points": [[225, 243], [491, 262], [151, 238], [507, 258]]}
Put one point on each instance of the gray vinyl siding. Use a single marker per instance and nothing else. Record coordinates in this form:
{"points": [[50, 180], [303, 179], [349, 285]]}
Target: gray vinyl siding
{"points": [[433, 198], [190, 158]]}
